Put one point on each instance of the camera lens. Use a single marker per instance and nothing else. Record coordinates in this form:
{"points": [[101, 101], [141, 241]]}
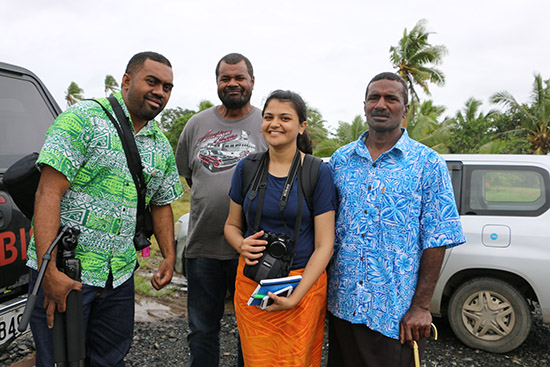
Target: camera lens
{"points": [[277, 249]]}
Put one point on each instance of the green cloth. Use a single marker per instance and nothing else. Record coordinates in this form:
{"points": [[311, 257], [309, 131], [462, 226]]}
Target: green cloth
{"points": [[101, 201]]}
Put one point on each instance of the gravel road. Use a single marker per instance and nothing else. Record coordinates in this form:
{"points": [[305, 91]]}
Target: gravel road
{"points": [[160, 341], [163, 344]]}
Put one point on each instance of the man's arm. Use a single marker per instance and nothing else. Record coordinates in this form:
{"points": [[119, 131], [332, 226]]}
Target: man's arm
{"points": [[416, 322], [163, 225], [56, 285]]}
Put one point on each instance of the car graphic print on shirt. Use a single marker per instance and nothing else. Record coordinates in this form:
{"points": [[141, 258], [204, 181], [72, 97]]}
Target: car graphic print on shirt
{"points": [[222, 150]]}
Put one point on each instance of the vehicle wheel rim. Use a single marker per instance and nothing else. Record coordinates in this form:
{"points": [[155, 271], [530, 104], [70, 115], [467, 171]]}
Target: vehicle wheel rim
{"points": [[488, 315]]}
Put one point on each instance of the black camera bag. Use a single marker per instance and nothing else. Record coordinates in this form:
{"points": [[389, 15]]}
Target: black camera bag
{"points": [[21, 180], [268, 267]]}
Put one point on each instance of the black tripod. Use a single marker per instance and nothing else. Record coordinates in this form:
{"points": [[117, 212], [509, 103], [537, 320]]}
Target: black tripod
{"points": [[69, 346]]}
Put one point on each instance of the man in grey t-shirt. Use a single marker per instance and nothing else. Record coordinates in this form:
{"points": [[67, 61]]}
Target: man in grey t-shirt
{"points": [[209, 148]]}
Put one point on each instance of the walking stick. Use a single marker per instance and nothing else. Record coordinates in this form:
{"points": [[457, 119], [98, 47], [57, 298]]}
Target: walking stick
{"points": [[415, 347]]}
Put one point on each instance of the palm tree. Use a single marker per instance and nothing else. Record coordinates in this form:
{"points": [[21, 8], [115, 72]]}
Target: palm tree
{"points": [[426, 129], [471, 128], [412, 58], [347, 132], [536, 117], [73, 94], [316, 126], [111, 85]]}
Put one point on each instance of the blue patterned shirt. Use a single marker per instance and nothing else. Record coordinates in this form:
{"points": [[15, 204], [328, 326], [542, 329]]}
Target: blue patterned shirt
{"points": [[390, 211]]}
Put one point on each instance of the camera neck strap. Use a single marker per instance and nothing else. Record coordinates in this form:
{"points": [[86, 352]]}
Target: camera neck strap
{"points": [[259, 184], [131, 151]]}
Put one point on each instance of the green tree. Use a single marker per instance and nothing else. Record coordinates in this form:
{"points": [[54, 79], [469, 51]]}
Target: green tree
{"points": [[316, 126], [348, 132], [414, 56], [173, 120], [345, 133], [535, 117], [509, 137], [73, 94], [111, 85], [471, 128], [326, 148], [426, 129]]}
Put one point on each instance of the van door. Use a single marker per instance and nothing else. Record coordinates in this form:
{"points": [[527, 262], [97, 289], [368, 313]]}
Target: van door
{"points": [[26, 112]]}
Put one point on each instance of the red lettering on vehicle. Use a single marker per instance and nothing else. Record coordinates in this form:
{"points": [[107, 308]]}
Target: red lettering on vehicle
{"points": [[7, 246], [23, 243]]}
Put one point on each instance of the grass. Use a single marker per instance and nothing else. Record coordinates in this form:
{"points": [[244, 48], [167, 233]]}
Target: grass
{"points": [[150, 264], [182, 205], [144, 288]]}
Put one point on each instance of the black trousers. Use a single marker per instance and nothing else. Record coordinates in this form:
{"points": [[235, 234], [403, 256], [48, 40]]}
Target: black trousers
{"points": [[355, 345]]}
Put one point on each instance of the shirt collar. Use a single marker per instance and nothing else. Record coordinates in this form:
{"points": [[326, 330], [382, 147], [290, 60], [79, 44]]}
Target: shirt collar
{"points": [[401, 147]]}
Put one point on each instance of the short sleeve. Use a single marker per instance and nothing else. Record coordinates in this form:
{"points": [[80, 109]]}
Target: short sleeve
{"points": [[235, 192], [170, 189], [324, 197], [66, 144], [183, 159], [440, 223]]}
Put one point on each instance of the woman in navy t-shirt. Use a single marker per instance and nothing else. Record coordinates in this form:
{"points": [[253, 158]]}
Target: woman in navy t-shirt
{"points": [[294, 334]]}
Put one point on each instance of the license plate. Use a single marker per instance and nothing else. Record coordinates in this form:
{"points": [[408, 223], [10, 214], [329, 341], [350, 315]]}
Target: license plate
{"points": [[9, 321]]}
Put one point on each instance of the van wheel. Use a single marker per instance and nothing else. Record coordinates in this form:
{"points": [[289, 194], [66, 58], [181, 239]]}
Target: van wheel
{"points": [[489, 314]]}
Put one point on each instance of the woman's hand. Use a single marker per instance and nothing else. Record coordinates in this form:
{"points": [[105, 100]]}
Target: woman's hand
{"points": [[281, 303], [251, 248]]}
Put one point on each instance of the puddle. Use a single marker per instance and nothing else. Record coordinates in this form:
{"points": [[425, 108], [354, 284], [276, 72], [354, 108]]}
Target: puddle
{"points": [[148, 310]]}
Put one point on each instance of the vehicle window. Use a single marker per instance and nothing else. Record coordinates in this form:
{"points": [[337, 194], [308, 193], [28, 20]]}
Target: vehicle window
{"points": [[455, 171], [507, 191], [24, 119]]}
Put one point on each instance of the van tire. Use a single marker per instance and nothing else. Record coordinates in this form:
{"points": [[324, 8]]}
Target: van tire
{"points": [[489, 314]]}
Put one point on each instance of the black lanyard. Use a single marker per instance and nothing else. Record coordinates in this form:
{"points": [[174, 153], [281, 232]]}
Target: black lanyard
{"points": [[260, 183]]}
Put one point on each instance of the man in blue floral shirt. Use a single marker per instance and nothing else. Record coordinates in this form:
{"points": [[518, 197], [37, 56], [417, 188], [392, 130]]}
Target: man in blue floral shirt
{"points": [[396, 217]]}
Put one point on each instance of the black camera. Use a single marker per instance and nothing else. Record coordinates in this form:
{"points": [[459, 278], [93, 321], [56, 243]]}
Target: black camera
{"points": [[144, 229], [66, 261], [273, 263], [141, 241], [277, 244]]}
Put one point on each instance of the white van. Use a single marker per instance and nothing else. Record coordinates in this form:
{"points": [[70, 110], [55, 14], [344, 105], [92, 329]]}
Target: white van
{"points": [[490, 286]]}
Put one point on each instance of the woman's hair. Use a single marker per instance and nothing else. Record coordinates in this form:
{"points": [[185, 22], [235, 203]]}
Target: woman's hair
{"points": [[303, 142]]}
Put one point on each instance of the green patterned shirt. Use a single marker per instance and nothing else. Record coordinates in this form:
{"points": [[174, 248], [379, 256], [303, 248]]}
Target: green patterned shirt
{"points": [[101, 201]]}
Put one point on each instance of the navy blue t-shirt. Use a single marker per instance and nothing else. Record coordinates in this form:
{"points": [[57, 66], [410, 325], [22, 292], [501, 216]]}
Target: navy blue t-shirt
{"points": [[324, 200]]}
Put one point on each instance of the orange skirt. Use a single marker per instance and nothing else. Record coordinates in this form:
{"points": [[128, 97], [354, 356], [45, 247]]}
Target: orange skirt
{"points": [[282, 338]]}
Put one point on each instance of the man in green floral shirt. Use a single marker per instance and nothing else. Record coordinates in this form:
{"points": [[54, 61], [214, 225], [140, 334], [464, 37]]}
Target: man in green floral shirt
{"points": [[86, 184]]}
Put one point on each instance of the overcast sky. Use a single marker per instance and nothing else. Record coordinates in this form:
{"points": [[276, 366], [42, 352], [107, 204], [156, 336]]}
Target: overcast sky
{"points": [[325, 50]]}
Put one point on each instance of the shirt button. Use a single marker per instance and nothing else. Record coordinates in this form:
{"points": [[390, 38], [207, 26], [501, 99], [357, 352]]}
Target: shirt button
{"points": [[370, 187], [366, 211], [362, 258], [374, 164], [361, 282], [363, 235], [127, 184], [123, 209]]}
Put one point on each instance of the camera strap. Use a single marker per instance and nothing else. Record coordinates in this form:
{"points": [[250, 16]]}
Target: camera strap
{"points": [[259, 183], [132, 156]]}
